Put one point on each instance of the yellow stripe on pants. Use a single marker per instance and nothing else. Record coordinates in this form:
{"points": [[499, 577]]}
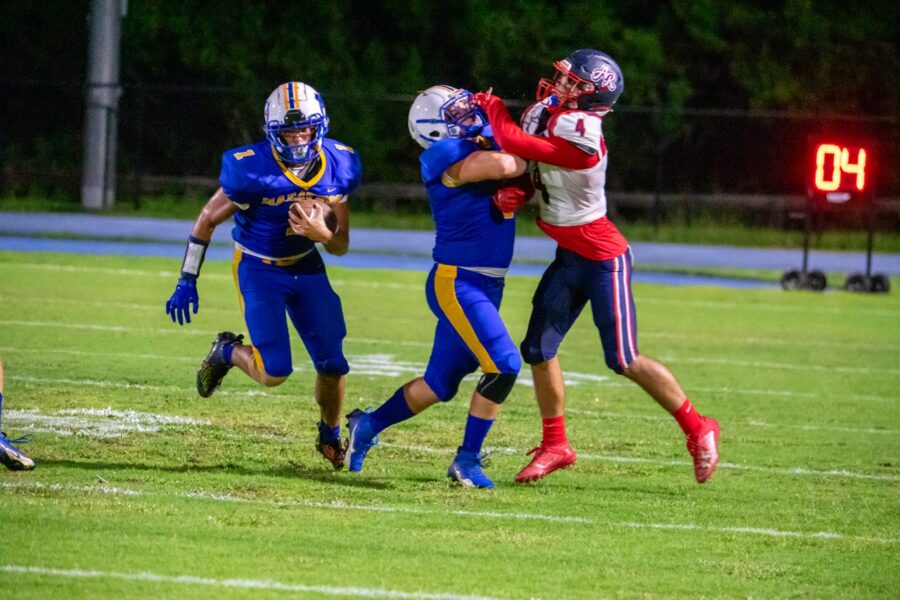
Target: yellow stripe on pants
{"points": [[257, 357], [445, 290]]}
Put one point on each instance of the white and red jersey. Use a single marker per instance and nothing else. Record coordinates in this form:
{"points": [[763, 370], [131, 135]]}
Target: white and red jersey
{"points": [[572, 197], [571, 158]]}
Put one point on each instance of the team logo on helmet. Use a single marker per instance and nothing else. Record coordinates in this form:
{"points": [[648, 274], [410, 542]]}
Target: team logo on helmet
{"points": [[604, 77]]}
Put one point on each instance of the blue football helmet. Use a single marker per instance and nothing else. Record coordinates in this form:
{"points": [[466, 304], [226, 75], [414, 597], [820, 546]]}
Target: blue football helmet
{"points": [[586, 79], [443, 112], [295, 105]]}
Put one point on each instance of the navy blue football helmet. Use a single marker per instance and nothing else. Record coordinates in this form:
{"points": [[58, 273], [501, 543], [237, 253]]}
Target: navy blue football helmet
{"points": [[586, 79]]}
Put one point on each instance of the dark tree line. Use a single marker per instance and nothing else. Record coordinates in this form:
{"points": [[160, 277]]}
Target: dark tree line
{"points": [[195, 73]]}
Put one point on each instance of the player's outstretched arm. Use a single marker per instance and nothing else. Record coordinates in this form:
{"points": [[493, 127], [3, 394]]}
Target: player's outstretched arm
{"points": [[511, 138], [217, 210]]}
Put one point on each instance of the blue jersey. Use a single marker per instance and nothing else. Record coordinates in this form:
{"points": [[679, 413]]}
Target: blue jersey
{"points": [[470, 230], [263, 188]]}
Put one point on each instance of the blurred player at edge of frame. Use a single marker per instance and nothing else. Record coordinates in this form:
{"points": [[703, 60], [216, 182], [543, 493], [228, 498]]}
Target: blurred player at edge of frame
{"points": [[11, 457], [473, 211], [278, 270], [562, 134]]}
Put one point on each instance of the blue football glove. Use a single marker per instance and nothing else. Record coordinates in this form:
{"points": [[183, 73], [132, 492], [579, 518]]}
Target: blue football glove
{"points": [[178, 305]]}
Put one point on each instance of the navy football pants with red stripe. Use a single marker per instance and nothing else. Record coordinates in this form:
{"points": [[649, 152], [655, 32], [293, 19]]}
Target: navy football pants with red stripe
{"points": [[566, 286]]}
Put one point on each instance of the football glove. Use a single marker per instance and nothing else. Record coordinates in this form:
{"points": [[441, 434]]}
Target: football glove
{"points": [[513, 194], [183, 297]]}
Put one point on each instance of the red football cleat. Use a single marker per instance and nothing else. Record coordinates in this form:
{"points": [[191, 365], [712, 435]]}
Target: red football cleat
{"points": [[546, 460], [704, 447]]}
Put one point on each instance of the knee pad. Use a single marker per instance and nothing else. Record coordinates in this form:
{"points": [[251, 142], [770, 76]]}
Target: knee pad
{"points": [[496, 386], [273, 364], [533, 353], [332, 366], [444, 388], [509, 362]]}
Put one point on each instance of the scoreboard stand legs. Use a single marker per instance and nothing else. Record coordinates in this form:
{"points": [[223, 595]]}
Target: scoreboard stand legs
{"points": [[866, 282], [804, 279]]}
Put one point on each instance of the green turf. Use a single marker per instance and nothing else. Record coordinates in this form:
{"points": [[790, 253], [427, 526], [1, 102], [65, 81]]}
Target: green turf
{"points": [[805, 503]]}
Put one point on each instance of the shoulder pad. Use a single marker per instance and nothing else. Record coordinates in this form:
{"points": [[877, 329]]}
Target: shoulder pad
{"points": [[534, 119], [581, 128]]}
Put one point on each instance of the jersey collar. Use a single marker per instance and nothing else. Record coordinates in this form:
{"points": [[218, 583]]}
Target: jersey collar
{"points": [[303, 183]]}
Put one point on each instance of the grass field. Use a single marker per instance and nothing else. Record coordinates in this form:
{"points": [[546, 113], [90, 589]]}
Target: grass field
{"points": [[144, 489]]}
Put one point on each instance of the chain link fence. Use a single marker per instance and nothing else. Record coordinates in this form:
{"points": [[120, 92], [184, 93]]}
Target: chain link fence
{"points": [[664, 164]]}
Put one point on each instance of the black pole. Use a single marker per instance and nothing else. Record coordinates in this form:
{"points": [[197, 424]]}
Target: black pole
{"points": [[806, 232], [657, 197], [870, 240], [139, 145]]}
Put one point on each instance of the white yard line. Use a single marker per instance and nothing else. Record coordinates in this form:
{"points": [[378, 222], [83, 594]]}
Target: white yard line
{"points": [[383, 508], [739, 467], [602, 414], [777, 365], [642, 298], [763, 393], [372, 367], [668, 463], [130, 386], [804, 344], [414, 368], [101, 270], [768, 341], [769, 306], [245, 584], [107, 422]]}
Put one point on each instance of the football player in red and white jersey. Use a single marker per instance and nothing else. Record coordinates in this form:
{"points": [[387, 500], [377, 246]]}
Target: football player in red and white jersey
{"points": [[563, 135]]}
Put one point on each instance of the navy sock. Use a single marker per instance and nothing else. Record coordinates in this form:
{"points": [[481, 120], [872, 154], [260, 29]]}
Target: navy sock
{"points": [[394, 410], [476, 430], [227, 352], [328, 433], [1, 408]]}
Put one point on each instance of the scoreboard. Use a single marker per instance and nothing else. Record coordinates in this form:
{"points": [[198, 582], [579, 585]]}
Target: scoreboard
{"points": [[840, 171]]}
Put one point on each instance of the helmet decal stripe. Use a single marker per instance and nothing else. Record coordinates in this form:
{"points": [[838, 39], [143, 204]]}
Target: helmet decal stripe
{"points": [[293, 105]]}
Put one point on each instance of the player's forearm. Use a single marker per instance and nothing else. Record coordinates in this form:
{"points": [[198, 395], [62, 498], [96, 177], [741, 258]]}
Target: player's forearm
{"points": [[339, 243], [483, 165]]}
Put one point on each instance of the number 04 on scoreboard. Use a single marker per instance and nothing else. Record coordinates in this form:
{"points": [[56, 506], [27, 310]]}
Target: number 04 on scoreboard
{"points": [[841, 171]]}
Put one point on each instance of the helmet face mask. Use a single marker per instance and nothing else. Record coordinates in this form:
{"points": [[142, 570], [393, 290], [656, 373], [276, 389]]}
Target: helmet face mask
{"points": [[444, 112], [290, 107], [586, 79]]}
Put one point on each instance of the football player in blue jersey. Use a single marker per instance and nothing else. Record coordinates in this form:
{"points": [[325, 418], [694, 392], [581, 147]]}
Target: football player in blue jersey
{"points": [[11, 457], [462, 172], [277, 267]]}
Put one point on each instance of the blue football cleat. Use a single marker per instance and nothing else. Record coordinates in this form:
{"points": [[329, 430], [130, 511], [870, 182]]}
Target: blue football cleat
{"points": [[361, 439], [214, 367], [12, 457], [466, 470]]}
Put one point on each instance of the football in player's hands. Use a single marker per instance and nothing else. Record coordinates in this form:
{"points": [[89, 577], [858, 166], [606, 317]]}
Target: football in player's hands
{"points": [[313, 207]]}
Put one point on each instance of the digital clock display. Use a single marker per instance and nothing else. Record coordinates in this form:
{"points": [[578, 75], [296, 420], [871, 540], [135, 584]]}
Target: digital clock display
{"points": [[841, 171]]}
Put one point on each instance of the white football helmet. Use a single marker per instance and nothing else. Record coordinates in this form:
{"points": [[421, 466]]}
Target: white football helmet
{"points": [[443, 112], [295, 105]]}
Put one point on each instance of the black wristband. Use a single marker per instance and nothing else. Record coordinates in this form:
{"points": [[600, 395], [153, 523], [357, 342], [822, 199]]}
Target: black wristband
{"points": [[194, 253]]}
